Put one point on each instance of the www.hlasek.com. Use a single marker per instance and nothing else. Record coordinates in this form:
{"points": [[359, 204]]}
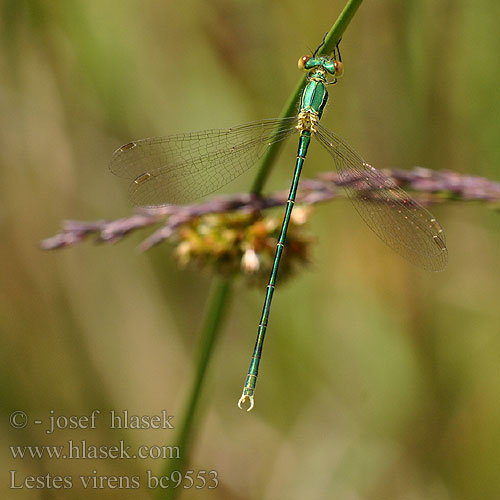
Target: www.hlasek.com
{"points": [[83, 450]]}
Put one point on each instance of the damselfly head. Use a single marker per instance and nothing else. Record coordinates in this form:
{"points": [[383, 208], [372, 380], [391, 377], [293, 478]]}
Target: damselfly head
{"points": [[333, 67]]}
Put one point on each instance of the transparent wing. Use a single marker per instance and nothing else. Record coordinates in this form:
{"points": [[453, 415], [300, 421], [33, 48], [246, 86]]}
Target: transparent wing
{"points": [[183, 167], [398, 220]]}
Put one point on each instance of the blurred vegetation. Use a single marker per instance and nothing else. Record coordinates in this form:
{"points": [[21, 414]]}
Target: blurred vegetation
{"points": [[379, 381]]}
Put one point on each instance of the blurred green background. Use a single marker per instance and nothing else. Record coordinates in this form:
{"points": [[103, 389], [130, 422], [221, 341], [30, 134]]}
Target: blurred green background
{"points": [[379, 381]]}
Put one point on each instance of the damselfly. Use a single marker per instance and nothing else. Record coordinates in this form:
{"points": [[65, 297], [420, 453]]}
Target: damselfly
{"points": [[180, 168]]}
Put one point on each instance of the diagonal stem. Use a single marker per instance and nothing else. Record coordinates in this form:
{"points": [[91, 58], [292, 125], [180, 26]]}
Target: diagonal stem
{"points": [[217, 306], [331, 40]]}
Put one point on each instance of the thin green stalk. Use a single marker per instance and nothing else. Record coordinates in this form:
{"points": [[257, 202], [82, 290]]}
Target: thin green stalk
{"points": [[217, 306], [331, 40]]}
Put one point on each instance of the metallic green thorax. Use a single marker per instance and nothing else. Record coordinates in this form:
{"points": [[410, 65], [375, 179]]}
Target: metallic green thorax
{"points": [[312, 104], [314, 96]]}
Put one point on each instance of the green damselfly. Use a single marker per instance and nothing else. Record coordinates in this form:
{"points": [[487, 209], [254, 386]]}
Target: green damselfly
{"points": [[180, 168]]}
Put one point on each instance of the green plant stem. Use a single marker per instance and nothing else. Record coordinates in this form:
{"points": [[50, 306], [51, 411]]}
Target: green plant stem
{"points": [[331, 40], [216, 307]]}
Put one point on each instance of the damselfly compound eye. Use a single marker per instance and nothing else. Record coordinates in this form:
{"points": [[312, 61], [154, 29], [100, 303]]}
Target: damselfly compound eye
{"points": [[302, 62], [339, 68]]}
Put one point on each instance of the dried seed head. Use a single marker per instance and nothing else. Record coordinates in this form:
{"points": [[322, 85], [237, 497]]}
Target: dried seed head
{"points": [[237, 243]]}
